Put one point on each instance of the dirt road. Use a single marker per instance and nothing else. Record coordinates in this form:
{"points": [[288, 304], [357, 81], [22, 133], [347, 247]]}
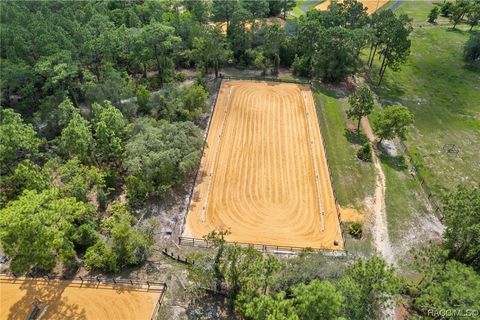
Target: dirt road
{"points": [[378, 208]]}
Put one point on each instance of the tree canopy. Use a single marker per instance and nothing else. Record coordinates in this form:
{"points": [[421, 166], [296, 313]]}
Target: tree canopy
{"points": [[37, 229], [361, 104], [392, 123], [462, 220]]}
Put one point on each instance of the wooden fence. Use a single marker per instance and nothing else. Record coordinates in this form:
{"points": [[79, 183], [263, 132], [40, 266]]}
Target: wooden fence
{"points": [[135, 284], [265, 248]]}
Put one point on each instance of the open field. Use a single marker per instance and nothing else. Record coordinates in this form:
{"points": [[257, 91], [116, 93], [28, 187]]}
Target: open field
{"points": [[372, 5], [72, 300], [264, 173], [443, 93]]}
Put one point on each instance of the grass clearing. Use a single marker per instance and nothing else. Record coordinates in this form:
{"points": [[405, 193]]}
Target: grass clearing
{"points": [[353, 179], [443, 93]]}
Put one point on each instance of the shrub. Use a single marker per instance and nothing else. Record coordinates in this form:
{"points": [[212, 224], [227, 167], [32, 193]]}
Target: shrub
{"points": [[100, 257], [355, 230], [301, 66], [137, 190], [432, 17], [180, 76], [143, 96], [471, 50], [365, 152]]}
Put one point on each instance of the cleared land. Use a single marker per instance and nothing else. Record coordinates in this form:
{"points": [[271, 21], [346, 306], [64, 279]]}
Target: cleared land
{"points": [[443, 93], [372, 5], [264, 173], [72, 300]]}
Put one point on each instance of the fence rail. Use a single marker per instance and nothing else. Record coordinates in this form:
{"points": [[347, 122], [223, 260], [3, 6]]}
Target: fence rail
{"points": [[324, 145], [207, 129], [201, 243], [136, 284], [151, 285], [159, 303], [262, 78]]}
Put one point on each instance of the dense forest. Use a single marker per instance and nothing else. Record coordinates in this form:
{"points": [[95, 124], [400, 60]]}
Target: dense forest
{"points": [[102, 110]]}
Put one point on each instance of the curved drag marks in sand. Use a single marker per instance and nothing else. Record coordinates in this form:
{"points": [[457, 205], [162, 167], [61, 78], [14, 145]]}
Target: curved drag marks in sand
{"points": [[263, 186]]}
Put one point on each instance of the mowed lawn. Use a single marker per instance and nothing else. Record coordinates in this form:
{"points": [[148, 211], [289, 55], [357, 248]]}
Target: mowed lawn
{"points": [[443, 93], [353, 180]]}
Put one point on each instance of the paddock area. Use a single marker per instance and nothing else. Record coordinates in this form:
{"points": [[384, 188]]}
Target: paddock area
{"points": [[264, 173], [22, 298]]}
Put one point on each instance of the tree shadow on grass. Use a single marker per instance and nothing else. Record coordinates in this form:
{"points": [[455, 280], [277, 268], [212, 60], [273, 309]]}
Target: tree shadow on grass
{"points": [[336, 93], [456, 30], [397, 163], [353, 137], [472, 67]]}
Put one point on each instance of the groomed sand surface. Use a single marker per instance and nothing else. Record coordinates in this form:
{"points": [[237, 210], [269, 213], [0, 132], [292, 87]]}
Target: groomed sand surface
{"points": [[258, 175], [372, 5], [71, 300]]}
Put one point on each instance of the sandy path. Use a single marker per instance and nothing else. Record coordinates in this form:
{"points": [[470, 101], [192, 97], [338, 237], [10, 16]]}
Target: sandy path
{"points": [[264, 174], [71, 300], [380, 225], [380, 235], [372, 5]]}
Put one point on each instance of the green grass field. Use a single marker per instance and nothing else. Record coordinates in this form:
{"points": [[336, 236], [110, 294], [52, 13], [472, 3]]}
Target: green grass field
{"points": [[353, 180], [443, 93]]}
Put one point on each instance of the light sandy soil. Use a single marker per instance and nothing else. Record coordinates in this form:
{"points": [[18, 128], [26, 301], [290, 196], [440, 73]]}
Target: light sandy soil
{"points": [[71, 300], [377, 205], [264, 174], [351, 215], [372, 5]]}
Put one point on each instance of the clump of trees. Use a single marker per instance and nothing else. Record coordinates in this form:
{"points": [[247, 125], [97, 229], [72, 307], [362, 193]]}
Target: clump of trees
{"points": [[462, 211], [256, 288], [159, 155], [466, 11], [327, 44], [448, 271], [390, 40], [57, 202]]}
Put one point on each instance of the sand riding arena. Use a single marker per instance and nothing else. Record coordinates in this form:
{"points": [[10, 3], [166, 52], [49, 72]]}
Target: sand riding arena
{"points": [[26, 298], [263, 174]]}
